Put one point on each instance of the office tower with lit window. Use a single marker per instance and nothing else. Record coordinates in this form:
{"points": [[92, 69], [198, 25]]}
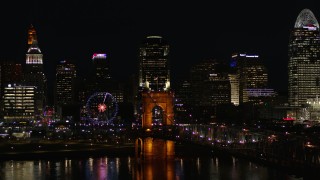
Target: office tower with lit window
{"points": [[19, 103], [210, 89], [34, 75], [101, 66], [65, 90], [99, 78], [154, 71], [234, 86], [11, 73], [249, 72], [65, 83], [210, 84], [304, 59]]}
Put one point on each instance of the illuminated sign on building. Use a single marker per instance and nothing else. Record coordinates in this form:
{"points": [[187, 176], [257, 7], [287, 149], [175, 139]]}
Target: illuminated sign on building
{"points": [[252, 56], [310, 28], [100, 56]]}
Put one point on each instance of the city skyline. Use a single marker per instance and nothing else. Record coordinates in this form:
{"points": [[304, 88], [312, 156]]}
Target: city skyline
{"points": [[73, 31]]}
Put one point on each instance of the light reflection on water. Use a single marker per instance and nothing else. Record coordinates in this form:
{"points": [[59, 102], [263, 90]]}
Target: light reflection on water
{"points": [[130, 168]]}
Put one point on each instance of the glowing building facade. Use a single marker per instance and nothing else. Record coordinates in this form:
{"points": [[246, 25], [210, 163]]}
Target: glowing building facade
{"points": [[34, 75], [19, 103], [101, 66], [11, 73], [234, 86], [304, 59], [251, 74], [154, 71], [32, 35], [65, 83]]}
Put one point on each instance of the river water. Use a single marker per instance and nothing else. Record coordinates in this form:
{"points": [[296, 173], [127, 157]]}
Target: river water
{"points": [[127, 168]]}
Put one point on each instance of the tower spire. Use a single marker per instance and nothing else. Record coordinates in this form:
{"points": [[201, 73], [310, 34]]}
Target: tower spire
{"points": [[32, 35]]}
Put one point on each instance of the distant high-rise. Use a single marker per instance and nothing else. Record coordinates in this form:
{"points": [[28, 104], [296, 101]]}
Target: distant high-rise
{"points": [[99, 79], [65, 89], [154, 71], [210, 85], [251, 74], [101, 66], [34, 75], [304, 59], [65, 83]]}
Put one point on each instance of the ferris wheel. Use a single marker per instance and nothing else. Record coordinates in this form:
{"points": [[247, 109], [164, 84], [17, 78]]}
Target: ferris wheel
{"points": [[102, 107]]}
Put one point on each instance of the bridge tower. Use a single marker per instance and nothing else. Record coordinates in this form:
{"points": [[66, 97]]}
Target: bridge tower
{"points": [[149, 147], [151, 99]]}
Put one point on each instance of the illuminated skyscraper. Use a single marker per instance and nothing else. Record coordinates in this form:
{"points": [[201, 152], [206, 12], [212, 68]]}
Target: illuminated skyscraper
{"points": [[99, 79], [251, 74], [154, 71], [304, 59], [65, 89], [34, 75], [101, 66], [65, 83]]}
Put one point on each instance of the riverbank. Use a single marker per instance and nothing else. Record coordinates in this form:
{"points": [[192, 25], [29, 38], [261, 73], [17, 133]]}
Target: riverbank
{"points": [[24, 151], [69, 149], [75, 149]]}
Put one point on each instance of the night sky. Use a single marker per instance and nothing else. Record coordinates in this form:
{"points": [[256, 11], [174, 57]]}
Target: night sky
{"points": [[74, 30]]}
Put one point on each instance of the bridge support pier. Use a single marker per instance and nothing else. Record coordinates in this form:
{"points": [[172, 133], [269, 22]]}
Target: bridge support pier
{"points": [[151, 148]]}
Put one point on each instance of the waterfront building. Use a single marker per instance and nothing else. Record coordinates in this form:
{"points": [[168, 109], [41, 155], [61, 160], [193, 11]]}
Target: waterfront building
{"points": [[19, 103], [304, 60]]}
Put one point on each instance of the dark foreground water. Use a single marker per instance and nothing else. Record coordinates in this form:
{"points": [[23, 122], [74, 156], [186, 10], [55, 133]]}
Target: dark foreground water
{"points": [[113, 168]]}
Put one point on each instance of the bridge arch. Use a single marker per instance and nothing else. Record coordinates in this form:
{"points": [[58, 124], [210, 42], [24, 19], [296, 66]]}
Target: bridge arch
{"points": [[164, 100]]}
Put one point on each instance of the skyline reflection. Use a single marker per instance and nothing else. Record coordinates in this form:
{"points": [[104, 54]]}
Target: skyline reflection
{"points": [[113, 168]]}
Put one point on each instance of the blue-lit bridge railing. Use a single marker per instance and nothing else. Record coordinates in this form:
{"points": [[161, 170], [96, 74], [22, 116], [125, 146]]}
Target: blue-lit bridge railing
{"points": [[284, 149]]}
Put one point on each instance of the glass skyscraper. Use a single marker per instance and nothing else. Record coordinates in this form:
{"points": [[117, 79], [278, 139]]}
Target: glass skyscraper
{"points": [[304, 59], [247, 72], [65, 83], [154, 71]]}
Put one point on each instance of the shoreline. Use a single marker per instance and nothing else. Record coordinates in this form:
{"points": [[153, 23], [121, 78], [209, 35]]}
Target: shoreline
{"points": [[24, 151], [32, 151]]}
